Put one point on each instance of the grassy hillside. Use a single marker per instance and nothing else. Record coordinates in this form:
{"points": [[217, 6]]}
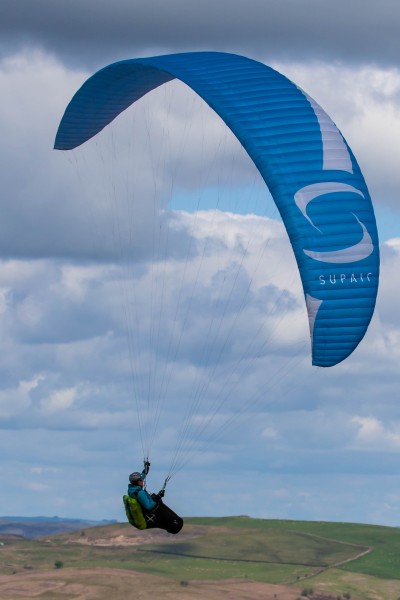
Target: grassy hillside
{"points": [[337, 558], [384, 561]]}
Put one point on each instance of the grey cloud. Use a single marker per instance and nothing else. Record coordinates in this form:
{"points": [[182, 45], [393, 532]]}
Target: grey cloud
{"points": [[86, 204], [94, 32]]}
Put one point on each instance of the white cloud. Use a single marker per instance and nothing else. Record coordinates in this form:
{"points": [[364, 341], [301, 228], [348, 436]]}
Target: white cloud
{"points": [[76, 279], [36, 486], [59, 400], [372, 434], [5, 299], [15, 401], [43, 470], [270, 433]]}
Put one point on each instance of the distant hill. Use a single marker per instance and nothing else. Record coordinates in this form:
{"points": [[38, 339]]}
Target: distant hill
{"points": [[35, 527]]}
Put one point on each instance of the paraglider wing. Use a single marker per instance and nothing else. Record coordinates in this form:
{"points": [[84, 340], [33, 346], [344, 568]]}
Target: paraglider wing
{"points": [[303, 158]]}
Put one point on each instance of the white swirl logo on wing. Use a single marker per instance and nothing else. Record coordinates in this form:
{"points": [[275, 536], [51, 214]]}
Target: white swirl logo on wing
{"points": [[357, 252]]}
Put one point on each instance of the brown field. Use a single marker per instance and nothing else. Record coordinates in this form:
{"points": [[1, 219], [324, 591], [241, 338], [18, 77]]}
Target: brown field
{"points": [[118, 584]]}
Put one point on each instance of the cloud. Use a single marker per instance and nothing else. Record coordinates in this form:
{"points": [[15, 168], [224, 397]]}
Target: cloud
{"points": [[36, 486], [59, 400], [37, 218], [373, 434], [96, 32], [111, 186], [42, 470], [270, 432], [17, 400], [214, 318]]}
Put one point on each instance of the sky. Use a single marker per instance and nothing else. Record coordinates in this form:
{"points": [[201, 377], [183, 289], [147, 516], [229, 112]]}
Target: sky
{"points": [[126, 324]]}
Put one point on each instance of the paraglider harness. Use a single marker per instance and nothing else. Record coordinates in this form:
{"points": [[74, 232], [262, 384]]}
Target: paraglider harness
{"points": [[134, 511]]}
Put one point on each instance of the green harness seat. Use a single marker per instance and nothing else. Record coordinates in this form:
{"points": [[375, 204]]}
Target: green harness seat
{"points": [[134, 512]]}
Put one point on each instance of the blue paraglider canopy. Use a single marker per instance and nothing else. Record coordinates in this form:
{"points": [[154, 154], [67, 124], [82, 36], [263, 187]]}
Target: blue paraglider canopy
{"points": [[302, 156]]}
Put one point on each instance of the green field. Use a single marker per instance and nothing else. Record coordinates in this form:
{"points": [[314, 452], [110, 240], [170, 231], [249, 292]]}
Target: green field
{"points": [[383, 561], [294, 553]]}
